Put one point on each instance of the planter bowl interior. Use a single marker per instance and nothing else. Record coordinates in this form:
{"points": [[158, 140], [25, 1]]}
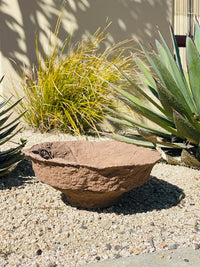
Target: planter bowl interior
{"points": [[92, 174]]}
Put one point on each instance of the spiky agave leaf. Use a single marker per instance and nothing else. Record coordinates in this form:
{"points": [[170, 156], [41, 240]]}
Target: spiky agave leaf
{"points": [[193, 63], [197, 34], [186, 129], [8, 129], [176, 108]]}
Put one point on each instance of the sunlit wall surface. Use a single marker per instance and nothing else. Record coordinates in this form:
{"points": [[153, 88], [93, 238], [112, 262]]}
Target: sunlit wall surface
{"points": [[21, 20]]}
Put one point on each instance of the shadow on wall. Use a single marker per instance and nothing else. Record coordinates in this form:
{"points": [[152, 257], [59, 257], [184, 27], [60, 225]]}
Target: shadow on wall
{"points": [[21, 21], [129, 18]]}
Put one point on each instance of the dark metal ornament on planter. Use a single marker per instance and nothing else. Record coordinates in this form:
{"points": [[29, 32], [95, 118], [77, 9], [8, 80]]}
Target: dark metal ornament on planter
{"points": [[92, 174]]}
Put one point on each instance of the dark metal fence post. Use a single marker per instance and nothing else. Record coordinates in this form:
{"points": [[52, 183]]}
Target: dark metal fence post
{"points": [[181, 39], [189, 17]]}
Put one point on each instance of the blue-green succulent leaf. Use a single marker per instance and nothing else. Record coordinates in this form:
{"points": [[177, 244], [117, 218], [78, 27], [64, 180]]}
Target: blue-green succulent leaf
{"points": [[133, 141], [197, 35], [178, 75], [176, 51], [163, 54], [193, 64], [126, 120], [147, 73], [169, 81], [186, 129], [170, 101]]}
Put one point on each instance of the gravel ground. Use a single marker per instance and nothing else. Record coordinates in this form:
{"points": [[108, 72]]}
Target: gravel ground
{"points": [[38, 227]]}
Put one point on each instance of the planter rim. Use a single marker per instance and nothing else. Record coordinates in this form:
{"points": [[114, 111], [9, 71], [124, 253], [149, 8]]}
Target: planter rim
{"points": [[63, 162]]}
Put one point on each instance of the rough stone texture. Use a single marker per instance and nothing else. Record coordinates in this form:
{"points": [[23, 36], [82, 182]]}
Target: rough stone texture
{"points": [[92, 174]]}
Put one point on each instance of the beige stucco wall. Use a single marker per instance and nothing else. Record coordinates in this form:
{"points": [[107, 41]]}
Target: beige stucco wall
{"points": [[20, 20]]}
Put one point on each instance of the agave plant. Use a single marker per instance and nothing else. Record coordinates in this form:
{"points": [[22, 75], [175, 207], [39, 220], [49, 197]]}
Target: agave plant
{"points": [[174, 95], [8, 129]]}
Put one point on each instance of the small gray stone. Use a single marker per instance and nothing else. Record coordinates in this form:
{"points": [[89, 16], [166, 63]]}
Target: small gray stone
{"points": [[83, 226], [118, 247], [173, 246], [108, 246]]}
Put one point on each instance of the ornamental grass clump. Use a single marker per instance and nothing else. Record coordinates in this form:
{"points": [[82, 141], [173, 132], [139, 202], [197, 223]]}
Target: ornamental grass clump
{"points": [[175, 97], [67, 91]]}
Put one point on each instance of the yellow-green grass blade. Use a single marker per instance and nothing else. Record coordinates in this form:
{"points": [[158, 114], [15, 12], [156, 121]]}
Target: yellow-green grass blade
{"points": [[71, 120], [186, 129], [84, 114], [193, 64]]}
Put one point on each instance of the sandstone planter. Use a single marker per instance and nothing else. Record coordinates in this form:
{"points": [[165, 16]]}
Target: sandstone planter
{"points": [[92, 174]]}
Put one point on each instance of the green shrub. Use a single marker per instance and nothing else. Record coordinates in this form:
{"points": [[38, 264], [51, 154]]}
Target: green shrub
{"points": [[8, 129], [174, 94], [67, 91]]}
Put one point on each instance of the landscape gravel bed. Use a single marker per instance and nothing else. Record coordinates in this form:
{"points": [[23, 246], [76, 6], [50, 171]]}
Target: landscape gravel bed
{"points": [[38, 227]]}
